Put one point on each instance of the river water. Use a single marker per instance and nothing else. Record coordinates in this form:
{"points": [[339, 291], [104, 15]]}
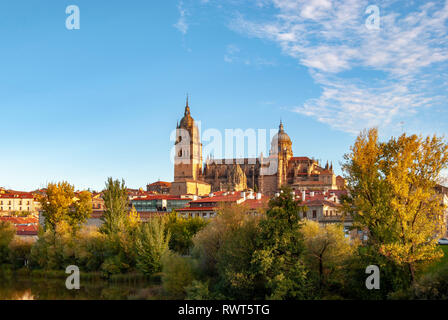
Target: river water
{"points": [[55, 289]]}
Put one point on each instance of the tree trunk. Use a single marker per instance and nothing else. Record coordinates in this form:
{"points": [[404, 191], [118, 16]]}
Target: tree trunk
{"points": [[321, 271], [412, 272]]}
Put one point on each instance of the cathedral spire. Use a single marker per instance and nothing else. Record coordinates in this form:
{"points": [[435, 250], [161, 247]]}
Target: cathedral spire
{"points": [[280, 128], [187, 108]]}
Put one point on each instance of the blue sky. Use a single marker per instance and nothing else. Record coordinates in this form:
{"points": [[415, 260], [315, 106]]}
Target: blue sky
{"points": [[83, 105]]}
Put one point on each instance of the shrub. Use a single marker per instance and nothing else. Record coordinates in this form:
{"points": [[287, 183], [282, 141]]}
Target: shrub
{"points": [[177, 274], [7, 233], [151, 243]]}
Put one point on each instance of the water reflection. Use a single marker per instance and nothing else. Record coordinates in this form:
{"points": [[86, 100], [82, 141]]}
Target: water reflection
{"points": [[54, 289]]}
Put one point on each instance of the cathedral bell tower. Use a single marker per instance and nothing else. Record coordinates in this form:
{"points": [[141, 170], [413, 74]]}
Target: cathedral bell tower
{"points": [[188, 149]]}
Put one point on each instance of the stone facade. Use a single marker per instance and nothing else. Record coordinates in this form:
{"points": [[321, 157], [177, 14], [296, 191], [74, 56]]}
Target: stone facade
{"points": [[264, 174]]}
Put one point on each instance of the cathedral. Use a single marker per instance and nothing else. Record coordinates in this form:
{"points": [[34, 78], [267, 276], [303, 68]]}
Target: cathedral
{"points": [[264, 174]]}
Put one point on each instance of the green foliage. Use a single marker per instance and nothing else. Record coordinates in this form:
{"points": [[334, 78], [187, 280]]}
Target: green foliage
{"points": [[208, 242], [178, 274], [116, 205], [19, 253], [7, 233], [198, 290], [393, 196], [326, 251], [54, 250], [151, 244], [431, 286], [279, 257], [234, 262], [182, 231], [392, 276]]}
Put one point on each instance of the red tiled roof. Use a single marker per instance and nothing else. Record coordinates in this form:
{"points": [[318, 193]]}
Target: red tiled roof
{"points": [[25, 226], [300, 159], [20, 220], [197, 209], [159, 197], [161, 183], [219, 198], [257, 203], [17, 195], [27, 230], [321, 203]]}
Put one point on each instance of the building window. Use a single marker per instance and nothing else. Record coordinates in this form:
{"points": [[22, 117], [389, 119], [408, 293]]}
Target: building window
{"points": [[326, 213], [314, 214]]}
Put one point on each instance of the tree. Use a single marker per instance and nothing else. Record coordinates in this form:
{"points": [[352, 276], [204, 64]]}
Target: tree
{"points": [[60, 203], [56, 203], [81, 210], [7, 233], [392, 188], [182, 231], [209, 240], [177, 274], [327, 248], [224, 249], [279, 257], [237, 279], [116, 205], [151, 244]]}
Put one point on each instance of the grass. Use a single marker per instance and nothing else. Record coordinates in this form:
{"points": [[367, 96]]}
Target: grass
{"points": [[439, 264]]}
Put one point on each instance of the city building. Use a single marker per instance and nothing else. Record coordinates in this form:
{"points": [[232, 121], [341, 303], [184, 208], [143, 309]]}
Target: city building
{"points": [[264, 174], [26, 227], [208, 207], [160, 203], [16, 202], [159, 187]]}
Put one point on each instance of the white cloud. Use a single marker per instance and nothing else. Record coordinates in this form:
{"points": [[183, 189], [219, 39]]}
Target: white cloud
{"points": [[182, 24], [233, 54], [330, 37]]}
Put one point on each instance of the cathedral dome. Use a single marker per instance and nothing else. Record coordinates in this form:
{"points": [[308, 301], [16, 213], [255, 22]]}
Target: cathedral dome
{"points": [[281, 141], [282, 136]]}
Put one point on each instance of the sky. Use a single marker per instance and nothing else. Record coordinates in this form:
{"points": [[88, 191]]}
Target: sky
{"points": [[101, 101]]}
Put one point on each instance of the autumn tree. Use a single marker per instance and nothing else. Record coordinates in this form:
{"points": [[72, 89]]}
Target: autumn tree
{"points": [[326, 249], [393, 196], [60, 203], [80, 210]]}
